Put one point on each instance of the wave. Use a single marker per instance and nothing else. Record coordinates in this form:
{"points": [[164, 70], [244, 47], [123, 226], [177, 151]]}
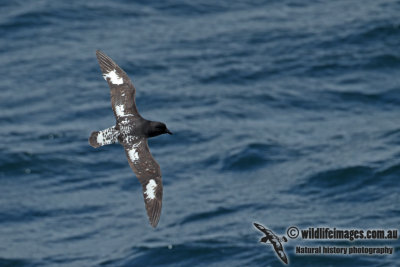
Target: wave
{"points": [[18, 262], [355, 183], [389, 96], [207, 215], [256, 155]]}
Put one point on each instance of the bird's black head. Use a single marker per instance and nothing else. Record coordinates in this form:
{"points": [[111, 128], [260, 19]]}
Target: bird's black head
{"points": [[157, 128]]}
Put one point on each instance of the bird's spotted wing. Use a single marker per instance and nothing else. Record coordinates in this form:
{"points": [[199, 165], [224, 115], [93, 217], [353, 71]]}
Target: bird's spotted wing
{"points": [[122, 89], [279, 251], [148, 172], [260, 227]]}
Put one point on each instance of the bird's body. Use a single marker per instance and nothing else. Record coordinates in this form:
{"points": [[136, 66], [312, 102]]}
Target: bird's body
{"points": [[132, 132]]}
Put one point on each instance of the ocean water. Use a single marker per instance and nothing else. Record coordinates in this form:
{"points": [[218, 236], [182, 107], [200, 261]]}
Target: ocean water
{"points": [[285, 113]]}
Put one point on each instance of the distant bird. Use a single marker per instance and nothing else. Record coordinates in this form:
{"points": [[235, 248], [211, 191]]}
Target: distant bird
{"points": [[274, 240], [132, 132]]}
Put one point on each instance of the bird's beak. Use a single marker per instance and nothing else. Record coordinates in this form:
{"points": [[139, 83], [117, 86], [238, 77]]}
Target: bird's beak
{"points": [[168, 131]]}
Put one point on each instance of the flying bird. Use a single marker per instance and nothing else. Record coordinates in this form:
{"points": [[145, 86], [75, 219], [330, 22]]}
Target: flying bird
{"points": [[132, 132], [274, 240]]}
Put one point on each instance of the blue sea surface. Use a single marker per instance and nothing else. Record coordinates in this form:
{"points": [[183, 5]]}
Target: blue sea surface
{"points": [[285, 113]]}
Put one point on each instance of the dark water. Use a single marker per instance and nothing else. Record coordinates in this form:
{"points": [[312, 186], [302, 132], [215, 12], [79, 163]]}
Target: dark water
{"points": [[284, 112]]}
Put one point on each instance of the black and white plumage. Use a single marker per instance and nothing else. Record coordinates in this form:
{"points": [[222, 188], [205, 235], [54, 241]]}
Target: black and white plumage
{"points": [[132, 131], [274, 240]]}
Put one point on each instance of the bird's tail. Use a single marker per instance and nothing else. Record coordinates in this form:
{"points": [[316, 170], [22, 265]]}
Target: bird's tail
{"points": [[104, 137]]}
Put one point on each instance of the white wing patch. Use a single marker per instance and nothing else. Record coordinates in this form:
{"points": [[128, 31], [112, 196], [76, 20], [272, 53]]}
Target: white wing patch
{"points": [[120, 110], [133, 153], [114, 78], [150, 189]]}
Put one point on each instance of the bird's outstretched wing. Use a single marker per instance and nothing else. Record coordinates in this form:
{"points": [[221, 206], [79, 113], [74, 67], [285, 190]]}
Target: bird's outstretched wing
{"points": [[279, 251], [121, 87], [260, 227], [148, 172]]}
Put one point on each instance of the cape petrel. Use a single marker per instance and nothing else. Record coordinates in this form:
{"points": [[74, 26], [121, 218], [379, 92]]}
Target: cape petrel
{"points": [[132, 132], [274, 240]]}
